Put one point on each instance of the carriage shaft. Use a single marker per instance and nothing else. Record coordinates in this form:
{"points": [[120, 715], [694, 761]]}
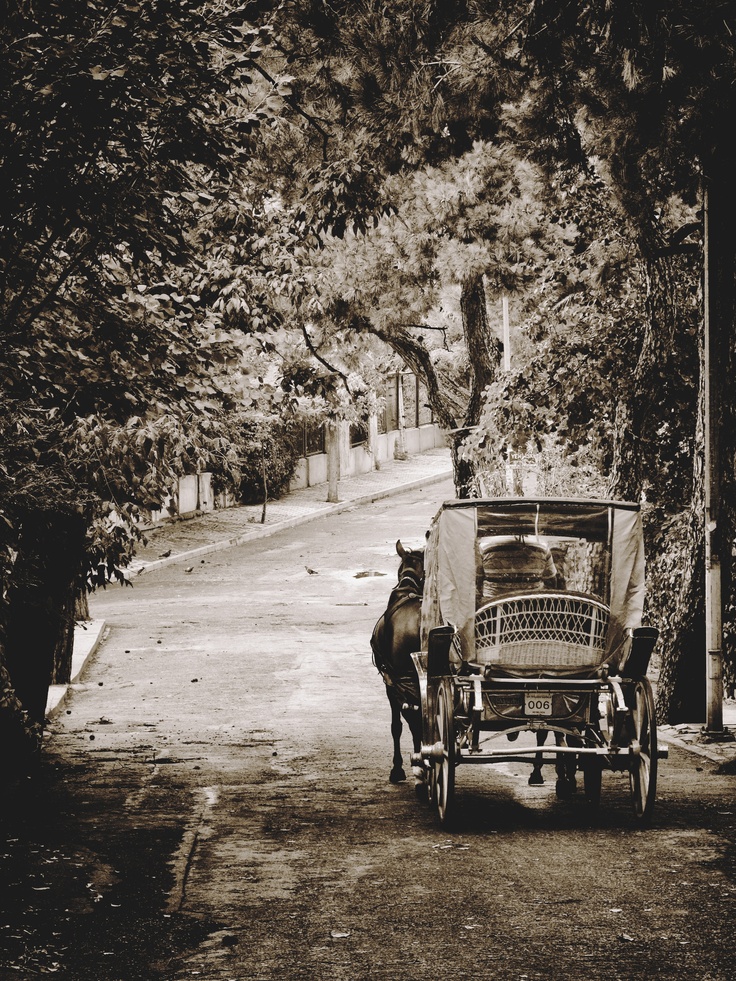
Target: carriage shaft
{"points": [[523, 754]]}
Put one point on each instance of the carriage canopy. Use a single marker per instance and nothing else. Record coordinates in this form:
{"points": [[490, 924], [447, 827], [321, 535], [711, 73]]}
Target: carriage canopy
{"points": [[477, 549]]}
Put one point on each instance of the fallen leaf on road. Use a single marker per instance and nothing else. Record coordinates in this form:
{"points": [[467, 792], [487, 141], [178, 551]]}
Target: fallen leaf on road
{"points": [[625, 936], [339, 934]]}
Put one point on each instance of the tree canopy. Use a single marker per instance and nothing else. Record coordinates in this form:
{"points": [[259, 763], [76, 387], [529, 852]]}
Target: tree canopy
{"points": [[215, 213]]}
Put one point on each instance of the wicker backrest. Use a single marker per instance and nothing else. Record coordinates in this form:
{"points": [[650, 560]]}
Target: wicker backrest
{"points": [[542, 630]]}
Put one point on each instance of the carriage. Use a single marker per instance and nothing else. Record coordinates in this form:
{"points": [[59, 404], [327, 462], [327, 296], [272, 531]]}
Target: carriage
{"points": [[530, 627]]}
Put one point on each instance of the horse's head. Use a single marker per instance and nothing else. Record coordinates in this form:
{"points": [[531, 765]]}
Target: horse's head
{"points": [[411, 569]]}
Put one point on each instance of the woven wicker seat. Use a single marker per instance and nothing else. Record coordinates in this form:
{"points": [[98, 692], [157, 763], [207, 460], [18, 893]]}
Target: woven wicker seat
{"points": [[542, 630]]}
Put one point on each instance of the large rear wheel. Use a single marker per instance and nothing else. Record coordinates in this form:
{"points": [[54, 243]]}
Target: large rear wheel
{"points": [[445, 769], [643, 765]]}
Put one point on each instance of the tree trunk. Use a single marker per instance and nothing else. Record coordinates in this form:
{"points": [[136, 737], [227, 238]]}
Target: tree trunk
{"points": [[484, 355], [61, 670], [681, 685], [81, 606], [484, 349], [264, 480], [677, 614], [40, 614], [721, 245]]}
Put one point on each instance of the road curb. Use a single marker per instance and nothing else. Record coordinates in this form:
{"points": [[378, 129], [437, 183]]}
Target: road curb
{"points": [[87, 638], [265, 531], [669, 739]]}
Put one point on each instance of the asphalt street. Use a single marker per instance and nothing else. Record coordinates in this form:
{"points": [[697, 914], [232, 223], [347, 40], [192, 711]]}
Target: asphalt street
{"points": [[214, 802]]}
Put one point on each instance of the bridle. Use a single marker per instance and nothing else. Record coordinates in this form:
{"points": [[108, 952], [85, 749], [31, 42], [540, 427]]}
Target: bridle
{"points": [[412, 576]]}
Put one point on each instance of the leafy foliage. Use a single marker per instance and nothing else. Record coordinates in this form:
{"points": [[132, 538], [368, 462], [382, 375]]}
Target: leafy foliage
{"points": [[269, 461], [210, 222], [123, 125], [576, 340], [120, 123]]}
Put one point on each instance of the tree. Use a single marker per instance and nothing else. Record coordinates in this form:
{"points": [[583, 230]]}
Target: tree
{"points": [[640, 96], [120, 124], [249, 207], [656, 90]]}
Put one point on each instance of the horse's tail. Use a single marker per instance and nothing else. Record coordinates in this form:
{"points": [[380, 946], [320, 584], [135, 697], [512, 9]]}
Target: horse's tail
{"points": [[378, 657]]}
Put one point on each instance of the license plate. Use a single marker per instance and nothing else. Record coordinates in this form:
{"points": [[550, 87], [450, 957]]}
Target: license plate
{"points": [[537, 703]]}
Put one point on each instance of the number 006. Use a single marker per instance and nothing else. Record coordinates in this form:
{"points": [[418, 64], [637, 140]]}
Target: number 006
{"points": [[536, 704]]}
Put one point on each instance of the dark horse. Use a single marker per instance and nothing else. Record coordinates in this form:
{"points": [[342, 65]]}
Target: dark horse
{"points": [[395, 636]]}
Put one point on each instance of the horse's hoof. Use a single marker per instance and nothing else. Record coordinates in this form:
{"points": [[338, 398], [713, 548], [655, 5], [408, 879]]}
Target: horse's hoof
{"points": [[397, 776], [536, 779], [564, 789]]}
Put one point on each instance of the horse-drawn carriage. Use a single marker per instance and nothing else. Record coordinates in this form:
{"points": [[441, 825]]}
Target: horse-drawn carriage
{"points": [[531, 623]]}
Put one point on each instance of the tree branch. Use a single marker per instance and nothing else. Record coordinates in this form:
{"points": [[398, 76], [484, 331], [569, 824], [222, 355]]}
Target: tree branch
{"points": [[289, 100], [417, 357], [315, 354]]}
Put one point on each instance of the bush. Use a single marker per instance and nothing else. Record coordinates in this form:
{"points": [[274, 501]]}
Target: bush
{"points": [[269, 453]]}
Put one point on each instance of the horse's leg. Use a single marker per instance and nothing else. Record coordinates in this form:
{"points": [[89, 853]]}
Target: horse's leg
{"points": [[565, 766], [571, 763], [397, 771], [535, 777]]}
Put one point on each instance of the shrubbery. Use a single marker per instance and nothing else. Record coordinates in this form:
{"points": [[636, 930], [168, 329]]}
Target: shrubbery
{"points": [[270, 456]]}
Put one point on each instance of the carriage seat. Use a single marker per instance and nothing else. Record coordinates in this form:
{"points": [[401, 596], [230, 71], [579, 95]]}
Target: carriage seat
{"points": [[516, 565]]}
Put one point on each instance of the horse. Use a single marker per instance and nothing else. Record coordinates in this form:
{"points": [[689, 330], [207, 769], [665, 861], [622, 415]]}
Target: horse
{"points": [[395, 637]]}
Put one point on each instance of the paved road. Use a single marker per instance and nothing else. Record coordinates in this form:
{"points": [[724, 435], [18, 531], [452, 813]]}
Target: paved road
{"points": [[214, 804]]}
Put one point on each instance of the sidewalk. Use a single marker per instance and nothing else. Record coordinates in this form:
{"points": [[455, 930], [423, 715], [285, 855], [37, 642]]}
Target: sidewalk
{"points": [[185, 539]]}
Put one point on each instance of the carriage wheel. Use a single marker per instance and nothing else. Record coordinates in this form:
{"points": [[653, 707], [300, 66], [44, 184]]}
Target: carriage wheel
{"points": [[592, 779], [643, 765], [445, 770]]}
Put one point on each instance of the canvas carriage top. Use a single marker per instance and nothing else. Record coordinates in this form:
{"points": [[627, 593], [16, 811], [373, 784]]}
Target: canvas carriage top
{"points": [[535, 586]]}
